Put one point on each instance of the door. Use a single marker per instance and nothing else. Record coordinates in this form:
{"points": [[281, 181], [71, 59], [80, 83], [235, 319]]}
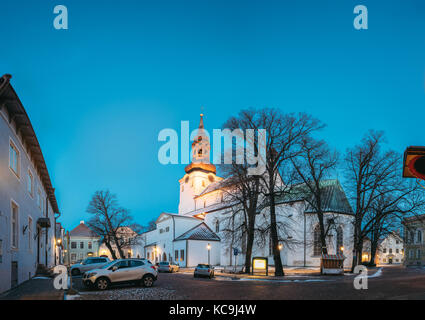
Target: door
{"points": [[121, 274], [14, 275], [390, 260]]}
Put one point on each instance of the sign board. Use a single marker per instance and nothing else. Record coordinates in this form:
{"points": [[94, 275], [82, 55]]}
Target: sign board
{"points": [[260, 264]]}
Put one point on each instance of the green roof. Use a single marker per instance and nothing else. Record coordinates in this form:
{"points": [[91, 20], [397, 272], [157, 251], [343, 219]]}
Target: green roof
{"points": [[333, 197]]}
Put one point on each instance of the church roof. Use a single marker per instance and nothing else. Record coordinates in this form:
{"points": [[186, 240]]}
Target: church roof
{"points": [[333, 197], [83, 231], [199, 232]]}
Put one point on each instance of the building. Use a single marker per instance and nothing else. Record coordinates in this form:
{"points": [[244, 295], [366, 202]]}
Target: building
{"points": [[83, 243], [28, 207], [391, 249], [198, 232], [131, 244], [60, 248], [413, 240]]}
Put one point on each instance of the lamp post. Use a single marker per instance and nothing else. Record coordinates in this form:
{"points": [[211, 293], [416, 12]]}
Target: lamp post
{"points": [[209, 249]]}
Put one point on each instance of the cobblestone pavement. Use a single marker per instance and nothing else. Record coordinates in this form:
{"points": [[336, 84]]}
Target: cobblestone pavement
{"points": [[38, 288], [123, 292]]}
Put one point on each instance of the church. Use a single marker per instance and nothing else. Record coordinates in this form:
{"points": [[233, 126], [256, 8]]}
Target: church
{"points": [[199, 231]]}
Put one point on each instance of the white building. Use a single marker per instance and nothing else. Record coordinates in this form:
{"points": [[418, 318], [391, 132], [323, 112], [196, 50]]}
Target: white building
{"points": [[132, 244], [195, 234], [83, 243], [27, 200], [391, 249]]}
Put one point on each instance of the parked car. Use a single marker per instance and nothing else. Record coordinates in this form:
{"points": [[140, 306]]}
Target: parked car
{"points": [[88, 264], [204, 270], [167, 266], [138, 271]]}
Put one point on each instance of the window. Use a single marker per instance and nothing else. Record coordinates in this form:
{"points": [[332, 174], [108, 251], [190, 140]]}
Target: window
{"points": [[339, 240], [411, 254], [30, 184], [397, 250], [203, 183], [167, 229], [317, 247], [181, 255], [148, 255], [29, 233], [39, 200], [217, 226], [73, 245], [390, 250], [176, 255], [182, 188], [15, 225], [134, 263], [418, 254], [81, 245], [205, 204], [161, 230], [384, 250], [14, 158], [90, 245], [419, 236], [73, 257]]}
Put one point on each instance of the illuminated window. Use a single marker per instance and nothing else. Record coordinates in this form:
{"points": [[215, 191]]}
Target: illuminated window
{"points": [[181, 255]]}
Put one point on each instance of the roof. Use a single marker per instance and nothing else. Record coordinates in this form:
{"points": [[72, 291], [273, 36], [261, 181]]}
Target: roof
{"points": [[199, 232], [333, 197], [333, 256], [83, 231], [16, 111]]}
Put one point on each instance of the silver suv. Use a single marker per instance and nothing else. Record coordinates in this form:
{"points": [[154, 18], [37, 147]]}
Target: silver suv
{"points": [[138, 271], [89, 264]]}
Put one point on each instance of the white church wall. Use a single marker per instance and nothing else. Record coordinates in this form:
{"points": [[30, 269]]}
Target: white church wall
{"points": [[198, 252]]}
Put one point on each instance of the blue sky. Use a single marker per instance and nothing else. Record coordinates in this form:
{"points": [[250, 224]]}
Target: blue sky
{"points": [[99, 93]]}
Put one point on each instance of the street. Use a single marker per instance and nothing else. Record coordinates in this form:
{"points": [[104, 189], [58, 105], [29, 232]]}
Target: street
{"points": [[394, 282]]}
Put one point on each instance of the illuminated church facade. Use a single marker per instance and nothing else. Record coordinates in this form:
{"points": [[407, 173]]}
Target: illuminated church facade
{"points": [[199, 231]]}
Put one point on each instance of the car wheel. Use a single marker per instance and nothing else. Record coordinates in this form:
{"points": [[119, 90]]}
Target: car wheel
{"points": [[102, 283], [75, 272], [148, 281]]}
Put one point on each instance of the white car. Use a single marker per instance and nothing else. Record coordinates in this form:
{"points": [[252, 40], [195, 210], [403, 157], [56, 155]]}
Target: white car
{"points": [[121, 271], [88, 264]]}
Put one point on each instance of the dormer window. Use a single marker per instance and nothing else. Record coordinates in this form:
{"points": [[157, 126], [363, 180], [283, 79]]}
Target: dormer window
{"points": [[200, 152]]}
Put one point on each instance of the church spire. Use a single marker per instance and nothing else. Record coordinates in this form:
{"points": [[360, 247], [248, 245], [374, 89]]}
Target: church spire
{"points": [[201, 151]]}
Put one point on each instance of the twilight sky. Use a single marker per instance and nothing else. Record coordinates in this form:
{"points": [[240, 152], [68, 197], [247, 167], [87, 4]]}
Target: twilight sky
{"points": [[99, 93]]}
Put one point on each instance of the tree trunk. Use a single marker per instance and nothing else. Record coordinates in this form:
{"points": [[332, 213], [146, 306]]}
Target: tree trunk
{"points": [[249, 245], [275, 240], [108, 245]]}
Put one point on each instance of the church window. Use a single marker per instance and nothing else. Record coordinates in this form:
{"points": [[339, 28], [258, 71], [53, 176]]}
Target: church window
{"points": [[203, 183], [186, 180], [339, 240], [164, 257], [205, 204], [176, 255], [181, 255], [217, 226], [211, 178], [167, 229], [317, 247], [419, 236]]}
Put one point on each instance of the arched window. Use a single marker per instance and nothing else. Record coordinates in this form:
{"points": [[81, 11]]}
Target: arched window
{"points": [[217, 226], [317, 247], [339, 240], [419, 236], [164, 257]]}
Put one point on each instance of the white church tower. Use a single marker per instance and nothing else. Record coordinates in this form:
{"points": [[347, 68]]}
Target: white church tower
{"points": [[199, 173]]}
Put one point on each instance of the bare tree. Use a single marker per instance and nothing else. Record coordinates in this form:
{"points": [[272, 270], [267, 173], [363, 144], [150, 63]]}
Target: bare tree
{"points": [[112, 222], [315, 163], [284, 134], [370, 175]]}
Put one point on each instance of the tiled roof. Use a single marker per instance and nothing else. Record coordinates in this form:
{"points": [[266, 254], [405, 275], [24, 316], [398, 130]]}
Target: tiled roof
{"points": [[199, 232], [333, 197], [83, 231]]}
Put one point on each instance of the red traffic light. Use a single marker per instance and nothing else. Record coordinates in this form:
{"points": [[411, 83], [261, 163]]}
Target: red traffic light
{"points": [[414, 163]]}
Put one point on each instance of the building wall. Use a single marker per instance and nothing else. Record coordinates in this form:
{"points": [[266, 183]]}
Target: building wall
{"points": [[81, 253], [414, 244], [13, 189], [391, 250], [197, 252]]}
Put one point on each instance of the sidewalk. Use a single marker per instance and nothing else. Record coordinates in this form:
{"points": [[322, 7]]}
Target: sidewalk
{"points": [[290, 271], [38, 288]]}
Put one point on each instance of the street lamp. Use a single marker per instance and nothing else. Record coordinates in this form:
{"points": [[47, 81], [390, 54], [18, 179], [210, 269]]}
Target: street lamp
{"points": [[209, 249], [280, 247]]}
